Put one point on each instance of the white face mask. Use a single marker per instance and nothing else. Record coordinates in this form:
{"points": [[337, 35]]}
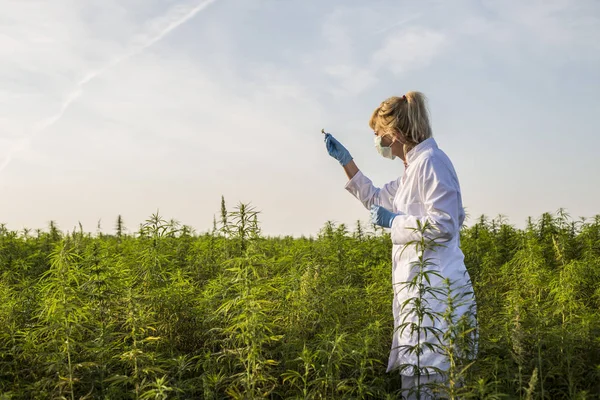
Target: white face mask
{"points": [[385, 151]]}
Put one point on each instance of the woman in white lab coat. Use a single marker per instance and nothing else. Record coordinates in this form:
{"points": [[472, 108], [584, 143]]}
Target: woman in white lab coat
{"points": [[429, 192]]}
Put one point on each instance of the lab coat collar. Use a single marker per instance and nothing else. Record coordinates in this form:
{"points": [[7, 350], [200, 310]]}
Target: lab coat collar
{"points": [[420, 148]]}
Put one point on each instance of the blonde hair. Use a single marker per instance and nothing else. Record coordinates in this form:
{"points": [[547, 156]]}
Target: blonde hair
{"points": [[406, 115]]}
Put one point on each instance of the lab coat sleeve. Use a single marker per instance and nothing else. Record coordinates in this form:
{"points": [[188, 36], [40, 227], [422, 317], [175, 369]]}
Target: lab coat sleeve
{"points": [[363, 189], [441, 207]]}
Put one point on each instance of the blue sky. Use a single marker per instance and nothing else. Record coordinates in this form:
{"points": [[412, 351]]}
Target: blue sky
{"points": [[132, 106]]}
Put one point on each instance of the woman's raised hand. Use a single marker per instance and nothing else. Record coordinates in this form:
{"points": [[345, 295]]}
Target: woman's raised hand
{"points": [[336, 149]]}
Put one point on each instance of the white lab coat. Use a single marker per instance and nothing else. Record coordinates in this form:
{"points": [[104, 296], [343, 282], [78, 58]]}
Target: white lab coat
{"points": [[428, 191]]}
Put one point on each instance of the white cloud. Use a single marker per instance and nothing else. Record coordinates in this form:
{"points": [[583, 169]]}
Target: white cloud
{"points": [[233, 102], [555, 22], [360, 47], [160, 27], [512, 27], [411, 49]]}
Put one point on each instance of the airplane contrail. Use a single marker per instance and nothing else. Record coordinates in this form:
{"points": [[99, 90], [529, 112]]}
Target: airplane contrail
{"points": [[78, 90]]}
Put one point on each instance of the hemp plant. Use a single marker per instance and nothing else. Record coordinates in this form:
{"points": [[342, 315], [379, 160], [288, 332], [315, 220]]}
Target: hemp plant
{"points": [[430, 314], [419, 317]]}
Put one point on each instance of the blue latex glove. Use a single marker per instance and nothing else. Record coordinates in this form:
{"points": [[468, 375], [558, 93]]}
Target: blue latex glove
{"points": [[381, 216], [337, 150]]}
